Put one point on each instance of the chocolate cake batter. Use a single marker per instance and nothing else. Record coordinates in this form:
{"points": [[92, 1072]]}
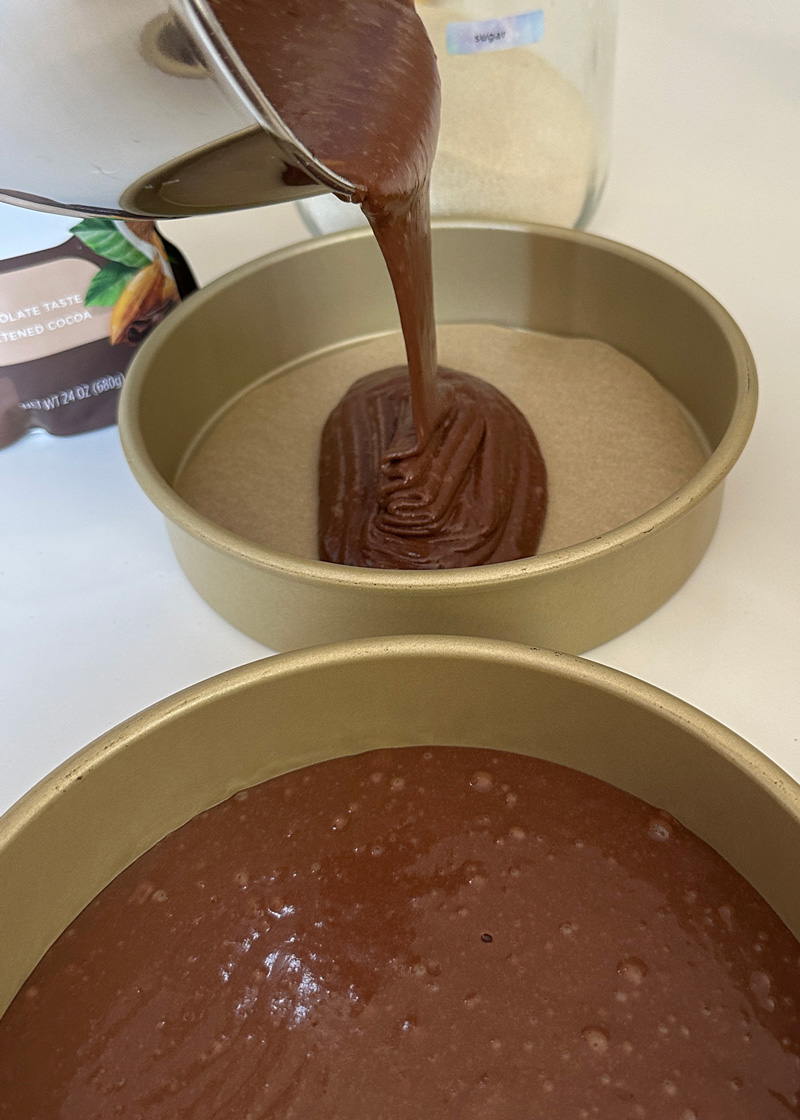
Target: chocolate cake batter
{"points": [[356, 81], [462, 501], [434, 932]]}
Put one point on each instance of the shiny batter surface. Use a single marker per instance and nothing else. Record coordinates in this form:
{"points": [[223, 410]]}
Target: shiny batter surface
{"points": [[432, 932]]}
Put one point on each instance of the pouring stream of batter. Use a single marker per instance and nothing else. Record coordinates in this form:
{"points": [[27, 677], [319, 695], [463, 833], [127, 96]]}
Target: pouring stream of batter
{"points": [[464, 483]]}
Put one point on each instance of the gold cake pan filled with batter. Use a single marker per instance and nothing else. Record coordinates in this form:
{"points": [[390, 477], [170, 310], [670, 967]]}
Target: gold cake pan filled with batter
{"points": [[640, 387], [91, 818]]}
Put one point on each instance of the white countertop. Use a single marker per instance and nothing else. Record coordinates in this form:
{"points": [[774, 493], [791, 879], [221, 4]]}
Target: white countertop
{"points": [[97, 620]]}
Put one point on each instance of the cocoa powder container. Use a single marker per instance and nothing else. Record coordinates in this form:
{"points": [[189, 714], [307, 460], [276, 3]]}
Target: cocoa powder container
{"points": [[91, 818], [76, 297], [640, 387]]}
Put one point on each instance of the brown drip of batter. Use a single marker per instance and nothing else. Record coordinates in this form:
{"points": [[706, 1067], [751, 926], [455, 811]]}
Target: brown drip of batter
{"points": [[356, 81], [460, 501], [438, 932]]}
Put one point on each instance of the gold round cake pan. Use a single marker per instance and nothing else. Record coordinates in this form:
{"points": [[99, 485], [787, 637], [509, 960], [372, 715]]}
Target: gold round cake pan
{"points": [[318, 297], [72, 834]]}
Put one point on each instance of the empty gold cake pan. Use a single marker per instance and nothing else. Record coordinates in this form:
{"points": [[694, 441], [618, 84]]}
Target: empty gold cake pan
{"points": [[323, 294], [67, 838]]}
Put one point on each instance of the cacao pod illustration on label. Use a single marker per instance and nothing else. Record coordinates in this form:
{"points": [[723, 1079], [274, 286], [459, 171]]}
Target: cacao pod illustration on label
{"points": [[136, 281]]}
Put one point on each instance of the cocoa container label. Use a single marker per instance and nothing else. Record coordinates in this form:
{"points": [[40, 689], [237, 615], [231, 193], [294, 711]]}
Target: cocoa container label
{"points": [[42, 310], [71, 316]]}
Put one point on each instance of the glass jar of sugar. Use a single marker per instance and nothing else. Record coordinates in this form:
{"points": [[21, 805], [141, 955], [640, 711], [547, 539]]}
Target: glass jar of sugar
{"points": [[526, 111]]}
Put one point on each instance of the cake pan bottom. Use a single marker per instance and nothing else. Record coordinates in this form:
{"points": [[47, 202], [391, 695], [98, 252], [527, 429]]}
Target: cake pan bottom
{"points": [[615, 442]]}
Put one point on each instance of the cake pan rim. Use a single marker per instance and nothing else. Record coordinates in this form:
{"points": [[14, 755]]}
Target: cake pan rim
{"points": [[776, 782], [712, 473]]}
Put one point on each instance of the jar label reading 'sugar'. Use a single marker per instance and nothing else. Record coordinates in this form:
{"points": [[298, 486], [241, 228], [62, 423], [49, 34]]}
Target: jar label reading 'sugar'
{"points": [[495, 34], [70, 317]]}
